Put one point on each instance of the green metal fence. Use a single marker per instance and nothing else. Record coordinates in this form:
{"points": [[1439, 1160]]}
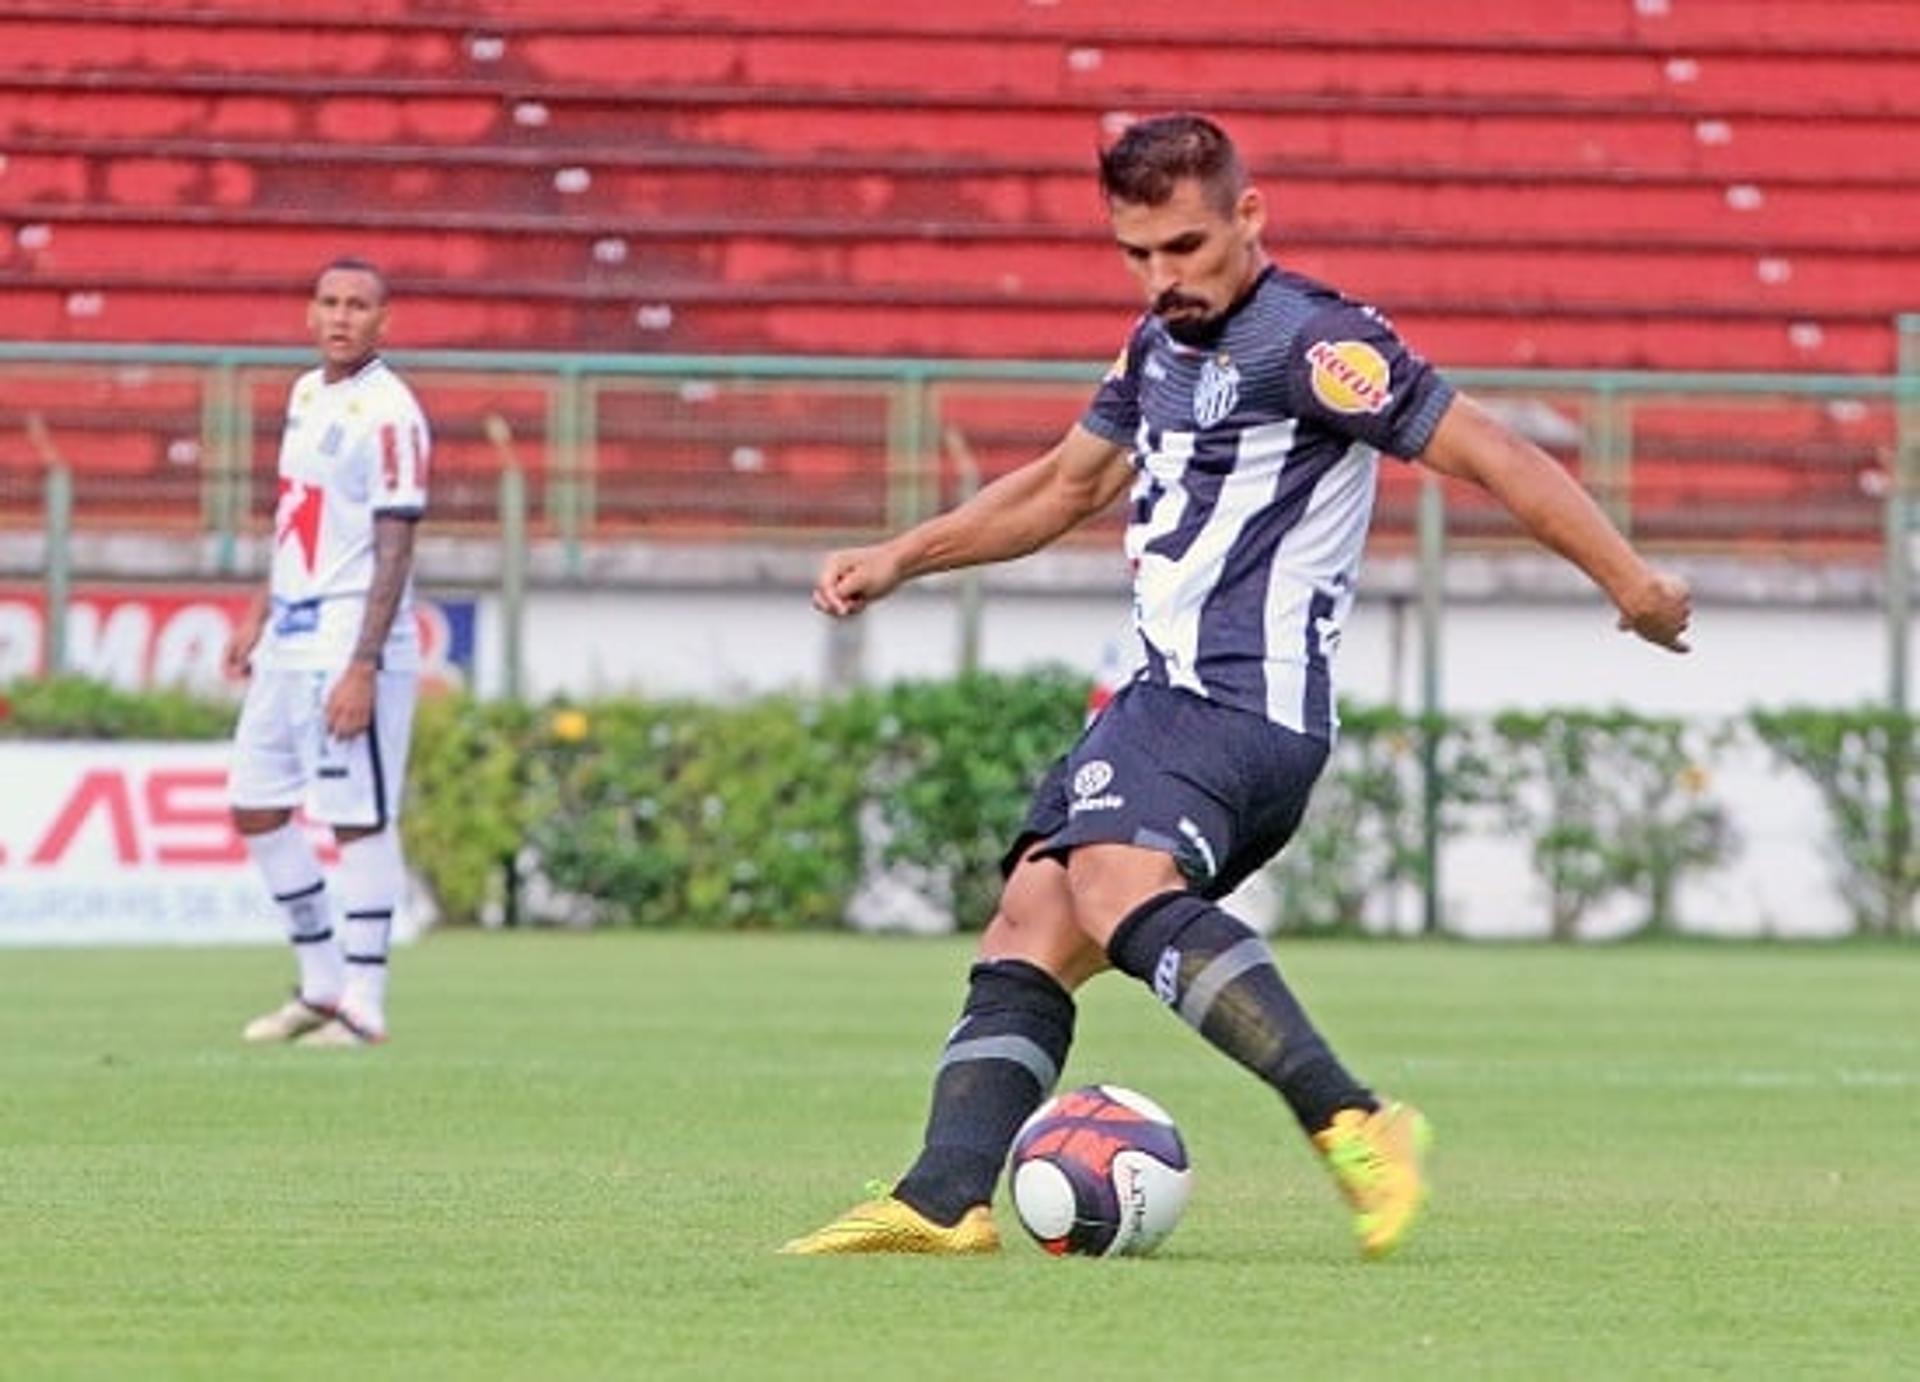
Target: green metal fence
{"points": [[1902, 516], [796, 446], [579, 449]]}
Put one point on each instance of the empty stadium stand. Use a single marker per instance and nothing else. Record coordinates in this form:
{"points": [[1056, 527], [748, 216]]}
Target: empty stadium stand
{"points": [[1693, 183], [1681, 184]]}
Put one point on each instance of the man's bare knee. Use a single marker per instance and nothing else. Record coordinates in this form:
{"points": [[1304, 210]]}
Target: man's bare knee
{"points": [[1107, 881], [260, 820], [1035, 923]]}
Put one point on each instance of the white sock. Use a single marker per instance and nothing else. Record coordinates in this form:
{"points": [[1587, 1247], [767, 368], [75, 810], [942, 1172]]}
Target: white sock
{"points": [[292, 871], [371, 878]]}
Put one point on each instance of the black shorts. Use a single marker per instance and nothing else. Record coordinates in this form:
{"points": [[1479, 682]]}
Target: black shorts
{"points": [[1221, 790]]}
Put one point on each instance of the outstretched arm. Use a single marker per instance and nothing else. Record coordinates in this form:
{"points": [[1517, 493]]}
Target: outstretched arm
{"points": [[1472, 445], [1021, 512]]}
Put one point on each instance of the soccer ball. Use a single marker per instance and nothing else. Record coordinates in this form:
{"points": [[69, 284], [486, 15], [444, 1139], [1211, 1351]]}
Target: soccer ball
{"points": [[1099, 1172]]}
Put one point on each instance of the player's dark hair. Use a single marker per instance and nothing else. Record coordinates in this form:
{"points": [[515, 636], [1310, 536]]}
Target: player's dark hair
{"points": [[353, 263], [1151, 156]]}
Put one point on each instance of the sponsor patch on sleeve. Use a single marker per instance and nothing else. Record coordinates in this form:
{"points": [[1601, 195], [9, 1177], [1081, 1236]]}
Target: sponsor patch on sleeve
{"points": [[1119, 366], [389, 456], [1349, 376]]}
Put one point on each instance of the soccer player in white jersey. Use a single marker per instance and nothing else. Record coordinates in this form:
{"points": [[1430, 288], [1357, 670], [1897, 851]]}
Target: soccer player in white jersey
{"points": [[333, 654], [1245, 418]]}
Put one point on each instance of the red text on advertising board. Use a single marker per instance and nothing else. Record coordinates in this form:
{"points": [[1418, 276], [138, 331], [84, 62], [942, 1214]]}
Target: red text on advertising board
{"points": [[167, 816], [173, 816]]}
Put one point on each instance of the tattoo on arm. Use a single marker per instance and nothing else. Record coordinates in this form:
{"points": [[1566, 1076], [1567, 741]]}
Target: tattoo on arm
{"points": [[392, 562]]}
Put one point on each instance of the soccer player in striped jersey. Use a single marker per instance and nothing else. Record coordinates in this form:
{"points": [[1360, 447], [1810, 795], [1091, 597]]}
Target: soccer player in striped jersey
{"points": [[1244, 420], [334, 658]]}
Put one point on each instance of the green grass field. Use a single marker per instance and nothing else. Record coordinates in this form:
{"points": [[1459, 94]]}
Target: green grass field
{"points": [[579, 1153]]}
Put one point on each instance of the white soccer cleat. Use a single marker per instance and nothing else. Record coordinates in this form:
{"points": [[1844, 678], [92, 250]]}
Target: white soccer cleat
{"points": [[290, 1021], [338, 1031]]}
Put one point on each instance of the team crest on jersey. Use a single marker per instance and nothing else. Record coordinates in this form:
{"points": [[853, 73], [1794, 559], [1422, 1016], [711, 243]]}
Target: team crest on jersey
{"points": [[1216, 391], [1092, 778], [1090, 785], [1350, 376]]}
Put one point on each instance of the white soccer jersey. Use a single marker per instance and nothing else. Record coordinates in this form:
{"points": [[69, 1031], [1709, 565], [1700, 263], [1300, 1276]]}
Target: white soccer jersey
{"points": [[1256, 455], [351, 449]]}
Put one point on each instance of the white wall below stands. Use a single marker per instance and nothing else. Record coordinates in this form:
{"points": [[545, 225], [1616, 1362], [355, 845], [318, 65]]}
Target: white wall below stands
{"points": [[1561, 650], [1521, 632], [1495, 657]]}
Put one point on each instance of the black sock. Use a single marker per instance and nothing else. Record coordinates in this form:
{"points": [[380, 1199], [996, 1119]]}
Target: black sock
{"points": [[1220, 977], [1001, 1060]]}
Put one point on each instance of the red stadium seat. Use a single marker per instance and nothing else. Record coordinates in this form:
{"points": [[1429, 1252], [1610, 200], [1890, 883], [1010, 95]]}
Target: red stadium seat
{"points": [[1811, 22], [1700, 184], [186, 43]]}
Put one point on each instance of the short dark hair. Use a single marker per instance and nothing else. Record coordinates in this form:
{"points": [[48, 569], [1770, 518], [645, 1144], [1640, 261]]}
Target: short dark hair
{"points": [[1151, 156], [353, 263]]}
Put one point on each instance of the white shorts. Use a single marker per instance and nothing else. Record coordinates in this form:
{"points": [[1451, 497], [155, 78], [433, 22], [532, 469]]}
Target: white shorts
{"points": [[283, 756]]}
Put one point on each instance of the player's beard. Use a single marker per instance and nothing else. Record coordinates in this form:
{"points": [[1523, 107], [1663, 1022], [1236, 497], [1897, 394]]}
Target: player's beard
{"points": [[1195, 324]]}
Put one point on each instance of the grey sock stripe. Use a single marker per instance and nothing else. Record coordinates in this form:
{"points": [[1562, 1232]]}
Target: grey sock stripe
{"points": [[1225, 967], [1018, 1049]]}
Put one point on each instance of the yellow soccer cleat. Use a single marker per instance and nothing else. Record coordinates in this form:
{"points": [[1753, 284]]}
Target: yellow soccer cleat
{"points": [[886, 1224], [1376, 1159]]}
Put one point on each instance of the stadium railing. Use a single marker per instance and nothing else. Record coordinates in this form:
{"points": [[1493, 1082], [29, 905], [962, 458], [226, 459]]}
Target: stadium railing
{"points": [[183, 439]]}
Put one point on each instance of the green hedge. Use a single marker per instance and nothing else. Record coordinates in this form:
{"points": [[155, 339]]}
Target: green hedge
{"points": [[1862, 763], [1360, 856], [771, 812], [1615, 804], [73, 708]]}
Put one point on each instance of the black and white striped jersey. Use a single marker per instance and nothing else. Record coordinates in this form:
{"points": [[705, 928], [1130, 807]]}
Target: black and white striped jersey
{"points": [[1256, 456]]}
